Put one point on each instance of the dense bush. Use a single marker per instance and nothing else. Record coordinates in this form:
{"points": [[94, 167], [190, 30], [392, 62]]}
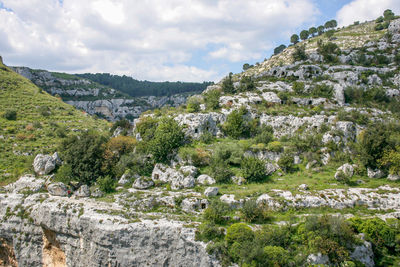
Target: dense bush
{"points": [[299, 53], [209, 232], [329, 51], [298, 88], [106, 184], [216, 212], [227, 85], [114, 149], [146, 127], [253, 212], [361, 96], [168, 136], [211, 99], [246, 84], [10, 115], [322, 90], [198, 157], [264, 135], [136, 163], [230, 153], [220, 171], [275, 146], [236, 125], [286, 163], [253, 169], [391, 160], [193, 104], [85, 156], [124, 124]]}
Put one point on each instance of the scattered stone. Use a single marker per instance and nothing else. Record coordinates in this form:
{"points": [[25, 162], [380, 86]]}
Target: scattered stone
{"points": [[143, 183], [230, 200], [211, 191], [166, 174], [393, 177], [190, 204], [26, 183], [238, 180], [204, 179], [315, 259], [83, 191], [270, 168], [297, 160], [375, 173], [97, 193], [58, 189], [311, 164], [44, 164], [303, 187]]}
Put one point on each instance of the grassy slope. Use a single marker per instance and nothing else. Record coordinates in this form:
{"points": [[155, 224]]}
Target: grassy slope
{"points": [[20, 136]]}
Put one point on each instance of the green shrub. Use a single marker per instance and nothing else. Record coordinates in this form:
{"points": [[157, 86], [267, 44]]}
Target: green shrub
{"points": [[276, 256], [265, 134], [168, 136], [239, 233], [216, 212], [64, 174], [227, 85], [211, 99], [107, 184], [391, 160], [193, 104], [322, 90], [246, 84], [236, 125], [253, 169], [207, 137], [220, 171], [230, 153], [299, 53], [286, 163], [253, 213], [85, 156], [44, 111], [209, 232], [298, 88], [275, 146], [124, 124], [146, 127], [10, 115]]}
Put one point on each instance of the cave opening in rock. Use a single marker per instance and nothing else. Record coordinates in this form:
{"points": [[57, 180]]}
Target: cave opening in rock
{"points": [[52, 255], [7, 255]]}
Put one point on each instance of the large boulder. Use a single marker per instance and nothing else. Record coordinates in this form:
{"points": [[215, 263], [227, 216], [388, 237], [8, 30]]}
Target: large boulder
{"points": [[143, 183], [344, 171], [394, 177], [204, 179], [394, 26], [44, 164], [26, 183], [364, 254], [211, 191], [189, 171], [316, 259], [83, 191], [190, 204], [230, 200], [58, 189], [125, 179], [375, 173]]}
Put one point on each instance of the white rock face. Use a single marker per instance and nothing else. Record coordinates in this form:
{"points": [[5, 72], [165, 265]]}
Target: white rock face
{"points": [[394, 26], [303, 187], [238, 180], [211, 191], [177, 179], [142, 183], [198, 123], [204, 179], [318, 259], [94, 237], [44, 164], [26, 183], [375, 173], [230, 200], [189, 171], [57, 189], [125, 179], [83, 191]]}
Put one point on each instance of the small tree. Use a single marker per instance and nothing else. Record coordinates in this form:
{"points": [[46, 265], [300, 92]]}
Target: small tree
{"points": [[253, 169], [167, 137], [388, 15], [246, 66], [279, 49], [10, 115], [320, 29], [227, 85], [304, 35], [212, 99], [236, 125], [294, 39], [312, 31]]}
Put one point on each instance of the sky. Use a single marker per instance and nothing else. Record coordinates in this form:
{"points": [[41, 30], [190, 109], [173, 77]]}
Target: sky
{"points": [[163, 40]]}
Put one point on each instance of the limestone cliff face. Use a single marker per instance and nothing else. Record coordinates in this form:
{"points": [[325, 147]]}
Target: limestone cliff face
{"points": [[39, 230]]}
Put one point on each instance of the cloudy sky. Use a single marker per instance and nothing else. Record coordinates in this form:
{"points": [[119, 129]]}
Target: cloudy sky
{"points": [[159, 40]]}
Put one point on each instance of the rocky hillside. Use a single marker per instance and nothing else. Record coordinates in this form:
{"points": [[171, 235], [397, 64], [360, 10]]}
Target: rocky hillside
{"points": [[32, 121], [94, 98], [294, 162]]}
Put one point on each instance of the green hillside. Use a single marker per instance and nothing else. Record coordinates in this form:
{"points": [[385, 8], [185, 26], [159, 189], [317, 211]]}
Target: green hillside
{"points": [[41, 122]]}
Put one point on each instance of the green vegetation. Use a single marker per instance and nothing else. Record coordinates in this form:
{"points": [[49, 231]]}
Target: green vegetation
{"points": [[29, 132], [135, 88]]}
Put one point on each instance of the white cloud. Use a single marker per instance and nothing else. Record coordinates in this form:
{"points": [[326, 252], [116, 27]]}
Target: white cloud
{"points": [[155, 39], [362, 10]]}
